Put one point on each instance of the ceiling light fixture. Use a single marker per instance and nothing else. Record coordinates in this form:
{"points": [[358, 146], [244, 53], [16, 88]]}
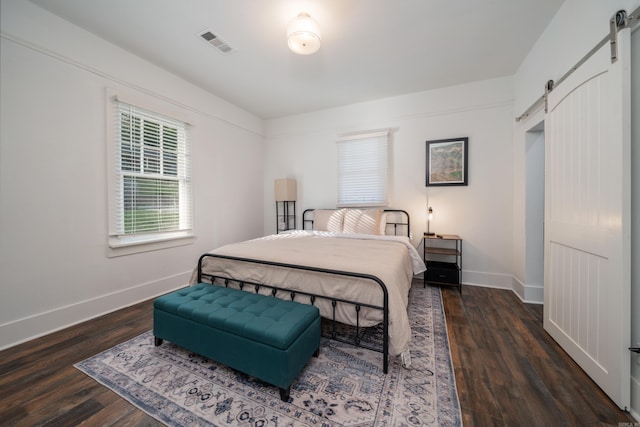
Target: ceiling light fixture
{"points": [[303, 35]]}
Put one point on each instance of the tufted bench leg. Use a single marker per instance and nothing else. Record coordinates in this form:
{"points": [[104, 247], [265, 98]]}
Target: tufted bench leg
{"points": [[262, 336], [285, 394]]}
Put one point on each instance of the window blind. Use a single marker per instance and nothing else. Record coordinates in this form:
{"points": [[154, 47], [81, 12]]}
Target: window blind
{"points": [[363, 169], [152, 177]]}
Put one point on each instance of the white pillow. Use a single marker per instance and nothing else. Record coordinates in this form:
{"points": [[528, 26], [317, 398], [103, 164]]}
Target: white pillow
{"points": [[362, 221], [328, 220], [383, 223]]}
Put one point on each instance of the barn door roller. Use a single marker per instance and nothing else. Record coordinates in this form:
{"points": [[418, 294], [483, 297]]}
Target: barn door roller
{"points": [[616, 23]]}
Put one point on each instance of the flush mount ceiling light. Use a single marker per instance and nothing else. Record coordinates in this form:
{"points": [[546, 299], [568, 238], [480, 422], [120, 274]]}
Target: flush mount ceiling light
{"points": [[303, 35]]}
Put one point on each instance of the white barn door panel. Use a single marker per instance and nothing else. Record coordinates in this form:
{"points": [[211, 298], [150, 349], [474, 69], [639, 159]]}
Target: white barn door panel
{"points": [[587, 218]]}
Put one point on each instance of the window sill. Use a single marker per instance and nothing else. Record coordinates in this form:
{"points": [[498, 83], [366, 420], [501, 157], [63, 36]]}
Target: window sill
{"points": [[128, 245]]}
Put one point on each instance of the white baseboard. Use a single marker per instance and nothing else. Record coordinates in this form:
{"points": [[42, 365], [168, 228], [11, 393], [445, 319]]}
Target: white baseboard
{"points": [[487, 280], [529, 293], [37, 325]]}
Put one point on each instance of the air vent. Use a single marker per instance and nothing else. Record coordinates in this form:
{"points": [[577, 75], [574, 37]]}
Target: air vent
{"points": [[215, 41]]}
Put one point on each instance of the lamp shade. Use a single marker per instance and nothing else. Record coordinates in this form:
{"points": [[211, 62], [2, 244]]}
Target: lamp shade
{"points": [[303, 35], [285, 190]]}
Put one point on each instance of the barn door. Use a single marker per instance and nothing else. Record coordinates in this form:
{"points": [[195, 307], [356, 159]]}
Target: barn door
{"points": [[587, 218]]}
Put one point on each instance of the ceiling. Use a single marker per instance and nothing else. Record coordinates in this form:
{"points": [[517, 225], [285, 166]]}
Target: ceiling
{"points": [[370, 49]]}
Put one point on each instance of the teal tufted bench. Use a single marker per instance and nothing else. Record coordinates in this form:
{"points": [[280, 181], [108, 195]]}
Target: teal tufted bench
{"points": [[263, 336]]}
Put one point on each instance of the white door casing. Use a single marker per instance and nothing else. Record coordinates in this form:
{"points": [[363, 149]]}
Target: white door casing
{"points": [[587, 218]]}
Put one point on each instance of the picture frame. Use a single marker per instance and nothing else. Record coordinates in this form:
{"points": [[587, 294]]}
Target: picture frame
{"points": [[447, 162]]}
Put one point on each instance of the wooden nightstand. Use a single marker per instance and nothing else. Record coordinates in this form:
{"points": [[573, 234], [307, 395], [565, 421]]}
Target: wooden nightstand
{"points": [[443, 258]]}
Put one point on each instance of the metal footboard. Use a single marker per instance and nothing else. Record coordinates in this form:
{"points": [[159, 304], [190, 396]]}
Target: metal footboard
{"points": [[274, 289]]}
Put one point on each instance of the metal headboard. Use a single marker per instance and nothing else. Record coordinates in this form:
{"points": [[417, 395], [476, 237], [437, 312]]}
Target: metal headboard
{"points": [[400, 221]]}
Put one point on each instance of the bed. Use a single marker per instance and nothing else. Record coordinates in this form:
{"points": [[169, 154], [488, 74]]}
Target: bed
{"points": [[355, 265]]}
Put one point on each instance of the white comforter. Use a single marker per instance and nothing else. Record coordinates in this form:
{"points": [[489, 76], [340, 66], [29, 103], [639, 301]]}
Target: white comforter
{"points": [[390, 258]]}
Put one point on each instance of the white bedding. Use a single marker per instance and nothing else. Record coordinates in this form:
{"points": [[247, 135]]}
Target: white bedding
{"points": [[390, 258]]}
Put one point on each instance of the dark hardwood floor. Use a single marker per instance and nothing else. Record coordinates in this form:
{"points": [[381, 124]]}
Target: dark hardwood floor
{"points": [[508, 370]]}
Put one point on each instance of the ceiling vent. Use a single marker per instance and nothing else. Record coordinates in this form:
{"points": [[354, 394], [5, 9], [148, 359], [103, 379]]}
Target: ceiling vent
{"points": [[215, 41]]}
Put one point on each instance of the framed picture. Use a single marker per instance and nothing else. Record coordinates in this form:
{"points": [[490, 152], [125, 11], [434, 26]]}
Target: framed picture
{"points": [[448, 162]]}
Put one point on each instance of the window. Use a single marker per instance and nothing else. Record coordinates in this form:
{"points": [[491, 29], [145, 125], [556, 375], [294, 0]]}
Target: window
{"points": [[363, 169], [151, 183]]}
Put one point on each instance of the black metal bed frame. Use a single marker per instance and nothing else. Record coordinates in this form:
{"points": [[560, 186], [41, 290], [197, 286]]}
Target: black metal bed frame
{"points": [[313, 297], [274, 289]]}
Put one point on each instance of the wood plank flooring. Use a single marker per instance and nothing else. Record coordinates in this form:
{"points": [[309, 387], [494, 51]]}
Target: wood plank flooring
{"points": [[508, 370]]}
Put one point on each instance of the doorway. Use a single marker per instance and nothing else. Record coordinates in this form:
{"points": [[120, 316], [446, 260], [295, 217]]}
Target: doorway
{"points": [[534, 213]]}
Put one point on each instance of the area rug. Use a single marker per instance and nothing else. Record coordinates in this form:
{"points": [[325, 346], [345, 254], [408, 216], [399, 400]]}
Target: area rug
{"points": [[344, 386]]}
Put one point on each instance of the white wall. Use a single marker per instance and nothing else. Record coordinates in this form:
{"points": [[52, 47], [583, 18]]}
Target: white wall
{"points": [[304, 147], [635, 225], [577, 27], [54, 269]]}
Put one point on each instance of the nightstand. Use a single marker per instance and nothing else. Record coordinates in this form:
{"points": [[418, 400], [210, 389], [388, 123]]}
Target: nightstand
{"points": [[443, 258]]}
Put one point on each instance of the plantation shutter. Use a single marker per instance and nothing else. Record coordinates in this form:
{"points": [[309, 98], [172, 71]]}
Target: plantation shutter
{"points": [[363, 169], [152, 177]]}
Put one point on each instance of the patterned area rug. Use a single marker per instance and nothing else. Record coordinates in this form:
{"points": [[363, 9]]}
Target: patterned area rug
{"points": [[344, 386]]}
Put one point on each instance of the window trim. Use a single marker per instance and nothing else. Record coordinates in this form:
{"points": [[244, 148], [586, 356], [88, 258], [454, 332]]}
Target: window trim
{"points": [[119, 244]]}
